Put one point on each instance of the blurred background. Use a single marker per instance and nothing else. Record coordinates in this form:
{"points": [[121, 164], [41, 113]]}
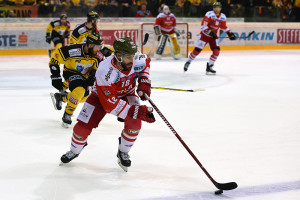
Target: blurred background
{"points": [[250, 10]]}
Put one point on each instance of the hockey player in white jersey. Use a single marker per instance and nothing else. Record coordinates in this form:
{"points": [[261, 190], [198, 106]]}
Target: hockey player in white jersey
{"points": [[114, 93]]}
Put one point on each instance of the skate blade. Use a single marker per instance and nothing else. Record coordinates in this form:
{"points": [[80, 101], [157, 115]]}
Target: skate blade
{"points": [[210, 74], [122, 166], [54, 101], [65, 125]]}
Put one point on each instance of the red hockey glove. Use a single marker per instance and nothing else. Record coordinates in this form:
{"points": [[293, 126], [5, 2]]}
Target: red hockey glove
{"points": [[143, 113], [231, 36], [144, 87]]}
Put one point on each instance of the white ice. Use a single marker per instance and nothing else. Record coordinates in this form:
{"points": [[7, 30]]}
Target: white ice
{"points": [[245, 127]]}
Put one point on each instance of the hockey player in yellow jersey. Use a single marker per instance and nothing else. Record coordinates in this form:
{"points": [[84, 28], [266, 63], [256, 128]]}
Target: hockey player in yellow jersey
{"points": [[80, 64], [57, 31], [82, 30]]}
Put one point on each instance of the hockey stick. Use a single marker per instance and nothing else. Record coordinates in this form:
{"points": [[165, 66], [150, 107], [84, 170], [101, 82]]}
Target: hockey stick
{"points": [[251, 33], [220, 186], [182, 90], [146, 37]]}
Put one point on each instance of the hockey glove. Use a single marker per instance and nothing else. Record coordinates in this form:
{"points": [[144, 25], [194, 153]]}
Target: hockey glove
{"points": [[144, 87], [177, 34], [143, 113], [55, 77], [106, 51], [48, 39], [214, 35], [57, 82], [91, 79], [67, 34], [157, 30], [231, 35]]}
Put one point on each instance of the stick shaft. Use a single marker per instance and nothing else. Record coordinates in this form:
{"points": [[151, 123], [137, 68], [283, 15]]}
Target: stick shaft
{"points": [[182, 90], [181, 141]]}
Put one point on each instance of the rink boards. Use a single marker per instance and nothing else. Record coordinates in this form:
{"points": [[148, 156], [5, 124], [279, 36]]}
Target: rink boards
{"points": [[28, 38]]}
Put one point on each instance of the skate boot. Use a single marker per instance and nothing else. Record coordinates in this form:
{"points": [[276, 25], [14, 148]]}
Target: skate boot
{"points": [[186, 66], [57, 99], [66, 120], [69, 156], [210, 70], [123, 159]]}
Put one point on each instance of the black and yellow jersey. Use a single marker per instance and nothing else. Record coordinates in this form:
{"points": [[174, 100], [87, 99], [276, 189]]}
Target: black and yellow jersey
{"points": [[75, 60], [80, 33], [56, 27]]}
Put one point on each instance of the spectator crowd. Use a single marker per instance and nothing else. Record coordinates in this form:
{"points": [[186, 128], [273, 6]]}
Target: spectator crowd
{"points": [[286, 10]]}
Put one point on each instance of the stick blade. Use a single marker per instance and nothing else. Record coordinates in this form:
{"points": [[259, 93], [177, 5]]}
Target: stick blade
{"points": [[227, 186], [251, 33], [146, 37]]}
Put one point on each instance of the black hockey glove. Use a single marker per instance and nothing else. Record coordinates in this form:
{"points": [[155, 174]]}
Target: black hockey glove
{"points": [[91, 79], [214, 35], [48, 39], [55, 77], [67, 34], [106, 51], [231, 35]]}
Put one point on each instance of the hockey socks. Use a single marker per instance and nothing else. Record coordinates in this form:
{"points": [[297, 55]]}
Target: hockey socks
{"points": [[194, 54]]}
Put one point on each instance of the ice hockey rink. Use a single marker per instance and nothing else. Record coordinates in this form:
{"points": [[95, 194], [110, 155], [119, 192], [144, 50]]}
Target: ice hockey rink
{"points": [[245, 127]]}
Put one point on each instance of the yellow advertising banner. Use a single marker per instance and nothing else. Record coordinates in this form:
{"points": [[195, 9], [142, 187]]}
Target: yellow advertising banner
{"points": [[20, 11]]}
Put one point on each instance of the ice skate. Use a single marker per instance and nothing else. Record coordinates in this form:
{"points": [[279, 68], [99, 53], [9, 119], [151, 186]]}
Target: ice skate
{"points": [[186, 66], [123, 159], [66, 120], [57, 100], [68, 157], [210, 70]]}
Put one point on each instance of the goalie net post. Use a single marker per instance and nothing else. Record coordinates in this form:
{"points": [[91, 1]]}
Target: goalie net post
{"points": [[152, 43]]}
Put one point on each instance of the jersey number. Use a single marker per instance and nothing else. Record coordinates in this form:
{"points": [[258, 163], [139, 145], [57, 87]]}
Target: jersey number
{"points": [[125, 83]]}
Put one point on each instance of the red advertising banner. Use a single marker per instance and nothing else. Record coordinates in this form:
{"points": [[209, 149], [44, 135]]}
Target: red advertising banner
{"points": [[20, 11], [288, 36], [109, 36]]}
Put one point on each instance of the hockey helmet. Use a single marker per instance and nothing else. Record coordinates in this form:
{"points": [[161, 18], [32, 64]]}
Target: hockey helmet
{"points": [[92, 16], [217, 4], [63, 15], [124, 46], [166, 10], [94, 38]]}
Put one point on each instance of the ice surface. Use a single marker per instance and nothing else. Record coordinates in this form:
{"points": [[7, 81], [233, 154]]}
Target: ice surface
{"points": [[245, 127]]}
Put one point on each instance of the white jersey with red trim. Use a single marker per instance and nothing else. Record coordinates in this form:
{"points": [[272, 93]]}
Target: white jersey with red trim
{"points": [[212, 22], [112, 84], [167, 22]]}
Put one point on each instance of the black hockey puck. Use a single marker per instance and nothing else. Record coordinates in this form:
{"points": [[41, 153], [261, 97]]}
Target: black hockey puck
{"points": [[219, 192]]}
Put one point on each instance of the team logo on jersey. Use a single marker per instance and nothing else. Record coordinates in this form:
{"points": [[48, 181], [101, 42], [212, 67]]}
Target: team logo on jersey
{"points": [[79, 67], [138, 68], [75, 52]]}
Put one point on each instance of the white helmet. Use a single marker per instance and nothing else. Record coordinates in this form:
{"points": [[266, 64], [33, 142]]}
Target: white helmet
{"points": [[166, 9]]}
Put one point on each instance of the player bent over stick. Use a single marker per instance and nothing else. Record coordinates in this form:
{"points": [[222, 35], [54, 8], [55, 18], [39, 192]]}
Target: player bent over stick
{"points": [[114, 93], [212, 21], [80, 64]]}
